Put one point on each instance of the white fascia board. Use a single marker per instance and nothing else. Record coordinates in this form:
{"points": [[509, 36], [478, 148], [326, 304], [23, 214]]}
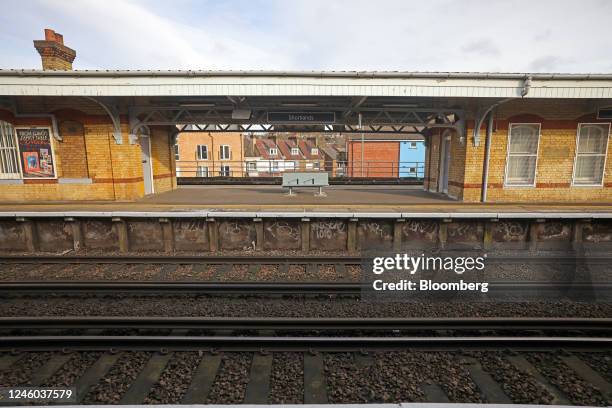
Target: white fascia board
{"points": [[297, 86]]}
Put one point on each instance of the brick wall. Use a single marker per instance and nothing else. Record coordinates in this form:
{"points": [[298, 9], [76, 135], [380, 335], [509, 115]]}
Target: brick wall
{"points": [[72, 163], [381, 159], [107, 171], [557, 148], [162, 156], [188, 163]]}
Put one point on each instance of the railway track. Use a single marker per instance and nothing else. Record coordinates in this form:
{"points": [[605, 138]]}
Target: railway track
{"points": [[261, 288], [316, 375], [340, 334], [177, 259], [508, 324], [272, 259]]}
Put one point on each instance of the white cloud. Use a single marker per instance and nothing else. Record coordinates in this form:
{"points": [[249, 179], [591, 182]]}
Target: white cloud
{"points": [[438, 35]]}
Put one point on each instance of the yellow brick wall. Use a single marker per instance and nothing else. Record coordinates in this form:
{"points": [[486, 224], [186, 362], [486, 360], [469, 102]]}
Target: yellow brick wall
{"points": [[553, 172], [115, 170], [71, 162], [456, 171], [162, 156], [559, 126]]}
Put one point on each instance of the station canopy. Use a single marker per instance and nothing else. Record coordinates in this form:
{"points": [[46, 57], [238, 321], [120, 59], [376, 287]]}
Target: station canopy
{"points": [[257, 101]]}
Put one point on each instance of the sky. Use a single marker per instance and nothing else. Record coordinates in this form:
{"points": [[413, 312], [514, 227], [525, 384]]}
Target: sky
{"points": [[381, 35]]}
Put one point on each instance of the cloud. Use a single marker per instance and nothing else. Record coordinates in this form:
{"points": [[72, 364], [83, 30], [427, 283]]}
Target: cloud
{"points": [[548, 63], [481, 47], [438, 35]]}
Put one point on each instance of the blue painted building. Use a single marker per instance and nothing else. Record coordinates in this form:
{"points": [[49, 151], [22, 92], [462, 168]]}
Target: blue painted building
{"points": [[412, 158]]}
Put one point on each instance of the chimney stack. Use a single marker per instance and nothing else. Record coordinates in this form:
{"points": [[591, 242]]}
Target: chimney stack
{"points": [[54, 54]]}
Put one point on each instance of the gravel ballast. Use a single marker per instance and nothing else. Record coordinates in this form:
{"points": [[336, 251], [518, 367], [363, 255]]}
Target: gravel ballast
{"points": [[364, 377], [231, 381], [288, 306]]}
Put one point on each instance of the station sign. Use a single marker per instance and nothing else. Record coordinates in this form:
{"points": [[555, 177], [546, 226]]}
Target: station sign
{"points": [[302, 117]]}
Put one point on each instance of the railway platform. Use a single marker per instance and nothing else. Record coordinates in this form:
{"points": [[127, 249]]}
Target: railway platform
{"points": [[270, 198]]}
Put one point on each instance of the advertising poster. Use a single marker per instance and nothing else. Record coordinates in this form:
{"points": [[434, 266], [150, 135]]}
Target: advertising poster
{"points": [[36, 152]]}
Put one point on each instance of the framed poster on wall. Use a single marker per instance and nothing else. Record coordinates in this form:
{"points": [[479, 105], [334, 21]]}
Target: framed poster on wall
{"points": [[36, 152]]}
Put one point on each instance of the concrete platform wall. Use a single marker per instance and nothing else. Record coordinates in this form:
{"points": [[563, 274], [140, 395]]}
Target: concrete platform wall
{"points": [[162, 233]]}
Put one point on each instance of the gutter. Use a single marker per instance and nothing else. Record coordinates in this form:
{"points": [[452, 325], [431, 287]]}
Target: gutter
{"points": [[309, 74]]}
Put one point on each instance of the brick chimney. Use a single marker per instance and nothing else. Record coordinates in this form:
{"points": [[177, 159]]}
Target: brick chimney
{"points": [[54, 54]]}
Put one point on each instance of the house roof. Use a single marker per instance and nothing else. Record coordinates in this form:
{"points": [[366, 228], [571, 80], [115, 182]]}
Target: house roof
{"points": [[386, 137], [306, 147]]}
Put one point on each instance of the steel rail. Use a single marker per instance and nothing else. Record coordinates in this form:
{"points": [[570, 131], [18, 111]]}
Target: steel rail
{"points": [[249, 343], [178, 259], [274, 323], [257, 288], [239, 288], [263, 259]]}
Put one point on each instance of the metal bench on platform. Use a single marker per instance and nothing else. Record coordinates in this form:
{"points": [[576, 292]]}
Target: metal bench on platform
{"points": [[306, 179]]}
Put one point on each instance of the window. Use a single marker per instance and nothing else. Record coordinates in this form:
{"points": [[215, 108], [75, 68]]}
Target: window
{"points": [[202, 171], [177, 156], [9, 163], [591, 148], [275, 166], [411, 169], [202, 152], [413, 145], [225, 171], [295, 151], [316, 165], [314, 151], [523, 140], [251, 166], [273, 151], [224, 152]]}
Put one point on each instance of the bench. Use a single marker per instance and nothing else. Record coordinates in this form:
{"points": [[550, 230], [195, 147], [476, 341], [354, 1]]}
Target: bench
{"points": [[306, 179]]}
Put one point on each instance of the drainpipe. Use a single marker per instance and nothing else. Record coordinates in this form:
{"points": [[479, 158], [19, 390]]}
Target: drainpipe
{"points": [[485, 170], [523, 92]]}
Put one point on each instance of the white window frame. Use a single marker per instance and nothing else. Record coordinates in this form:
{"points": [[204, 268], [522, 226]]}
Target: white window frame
{"points": [[412, 145], [273, 151], [314, 151], [537, 154], [222, 150], [199, 152], [603, 176], [19, 174], [251, 166], [223, 172], [295, 151], [205, 173], [177, 152]]}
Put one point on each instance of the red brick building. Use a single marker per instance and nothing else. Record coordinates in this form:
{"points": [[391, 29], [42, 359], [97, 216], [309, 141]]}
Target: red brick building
{"points": [[381, 155]]}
